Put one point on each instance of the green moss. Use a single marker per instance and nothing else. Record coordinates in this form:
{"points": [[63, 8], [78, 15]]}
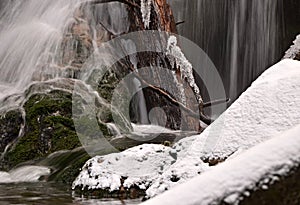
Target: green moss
{"points": [[63, 134], [10, 125], [25, 150], [89, 128], [106, 85], [49, 128]]}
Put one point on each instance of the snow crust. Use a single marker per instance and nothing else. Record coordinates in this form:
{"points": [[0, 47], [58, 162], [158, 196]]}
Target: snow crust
{"points": [[178, 59], [146, 11], [140, 165], [294, 49], [268, 108], [231, 181]]}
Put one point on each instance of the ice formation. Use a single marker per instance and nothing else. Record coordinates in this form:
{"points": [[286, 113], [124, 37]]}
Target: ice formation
{"points": [[294, 49], [178, 59], [146, 11], [180, 87]]}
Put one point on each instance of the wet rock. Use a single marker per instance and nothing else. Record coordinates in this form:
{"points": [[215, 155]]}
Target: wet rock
{"points": [[49, 128], [284, 191], [10, 125]]}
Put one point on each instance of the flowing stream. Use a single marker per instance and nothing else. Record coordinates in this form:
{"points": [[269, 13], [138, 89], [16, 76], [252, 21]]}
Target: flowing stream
{"points": [[241, 36], [49, 194]]}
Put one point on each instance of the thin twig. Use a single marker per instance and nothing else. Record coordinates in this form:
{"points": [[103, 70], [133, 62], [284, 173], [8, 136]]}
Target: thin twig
{"points": [[130, 3], [180, 22], [216, 102]]}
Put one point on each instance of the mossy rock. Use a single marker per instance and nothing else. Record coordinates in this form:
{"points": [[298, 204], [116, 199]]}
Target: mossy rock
{"points": [[107, 85], [90, 127], [49, 128], [10, 125]]}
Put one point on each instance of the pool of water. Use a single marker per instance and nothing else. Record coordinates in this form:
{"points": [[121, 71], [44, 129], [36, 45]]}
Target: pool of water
{"points": [[49, 194]]}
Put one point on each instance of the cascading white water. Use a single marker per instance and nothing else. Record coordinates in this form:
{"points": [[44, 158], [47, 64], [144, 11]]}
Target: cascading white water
{"points": [[24, 174], [30, 37], [143, 114], [242, 37]]}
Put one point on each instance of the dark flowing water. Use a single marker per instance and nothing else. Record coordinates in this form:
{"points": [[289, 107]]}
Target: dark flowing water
{"points": [[242, 37], [49, 194]]}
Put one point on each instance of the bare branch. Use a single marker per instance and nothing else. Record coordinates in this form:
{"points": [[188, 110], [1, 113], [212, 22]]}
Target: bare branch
{"points": [[128, 2], [190, 112], [216, 102], [180, 22]]}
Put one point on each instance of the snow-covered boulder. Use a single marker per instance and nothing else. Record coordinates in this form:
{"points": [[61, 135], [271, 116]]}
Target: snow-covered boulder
{"points": [[236, 179], [269, 107], [139, 166]]}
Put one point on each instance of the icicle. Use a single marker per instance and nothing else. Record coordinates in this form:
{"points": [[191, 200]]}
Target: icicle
{"points": [[177, 58], [182, 97], [146, 11]]}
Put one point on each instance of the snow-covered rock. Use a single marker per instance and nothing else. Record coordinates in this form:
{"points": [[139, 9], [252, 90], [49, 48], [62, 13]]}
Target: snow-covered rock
{"points": [[139, 165], [269, 107], [294, 50], [231, 181]]}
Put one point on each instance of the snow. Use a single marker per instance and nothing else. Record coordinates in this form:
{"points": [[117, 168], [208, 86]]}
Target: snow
{"points": [[268, 108], [232, 180], [24, 174], [143, 130], [146, 11], [294, 49], [140, 165], [178, 59]]}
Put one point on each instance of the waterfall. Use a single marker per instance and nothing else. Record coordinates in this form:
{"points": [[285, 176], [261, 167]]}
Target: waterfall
{"points": [[242, 37], [142, 109], [31, 33]]}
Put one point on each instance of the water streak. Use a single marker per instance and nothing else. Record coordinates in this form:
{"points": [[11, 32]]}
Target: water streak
{"points": [[242, 37], [31, 33]]}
